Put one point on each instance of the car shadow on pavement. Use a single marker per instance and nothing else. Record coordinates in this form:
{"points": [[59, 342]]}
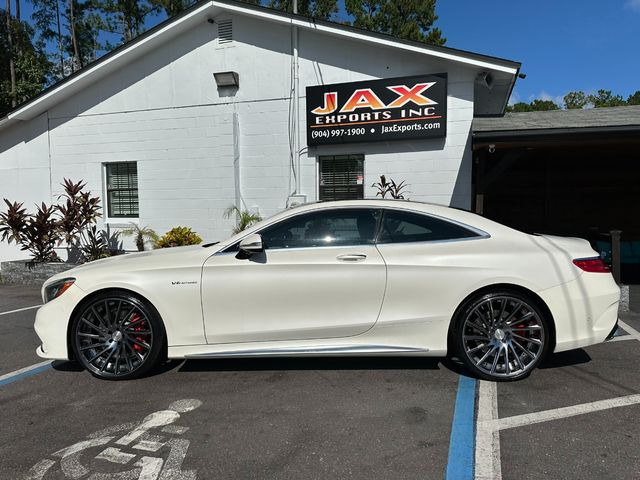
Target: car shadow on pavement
{"points": [[311, 363], [565, 359]]}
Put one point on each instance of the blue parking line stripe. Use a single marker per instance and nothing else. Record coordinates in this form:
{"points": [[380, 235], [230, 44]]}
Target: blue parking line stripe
{"points": [[462, 442], [25, 374]]}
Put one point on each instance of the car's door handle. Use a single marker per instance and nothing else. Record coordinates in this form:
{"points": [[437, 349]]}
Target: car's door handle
{"points": [[351, 257]]}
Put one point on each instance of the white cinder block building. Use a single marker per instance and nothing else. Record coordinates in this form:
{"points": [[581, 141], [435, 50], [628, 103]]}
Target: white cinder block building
{"points": [[154, 131]]}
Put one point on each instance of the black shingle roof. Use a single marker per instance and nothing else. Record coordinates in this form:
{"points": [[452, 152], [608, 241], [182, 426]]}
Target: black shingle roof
{"points": [[610, 117]]}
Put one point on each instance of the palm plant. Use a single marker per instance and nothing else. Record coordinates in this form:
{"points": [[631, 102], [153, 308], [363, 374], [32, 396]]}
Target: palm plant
{"points": [[141, 235], [244, 218], [391, 188]]}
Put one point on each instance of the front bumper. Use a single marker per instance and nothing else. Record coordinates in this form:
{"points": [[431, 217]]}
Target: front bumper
{"points": [[52, 322]]}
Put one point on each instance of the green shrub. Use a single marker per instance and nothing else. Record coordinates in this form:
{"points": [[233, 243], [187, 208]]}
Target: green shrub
{"points": [[178, 237]]}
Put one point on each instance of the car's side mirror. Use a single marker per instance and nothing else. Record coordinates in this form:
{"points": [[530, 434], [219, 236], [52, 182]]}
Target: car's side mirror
{"points": [[251, 244]]}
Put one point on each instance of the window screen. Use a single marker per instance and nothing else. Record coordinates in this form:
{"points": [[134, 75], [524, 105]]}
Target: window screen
{"points": [[342, 177], [323, 229], [402, 227], [122, 189]]}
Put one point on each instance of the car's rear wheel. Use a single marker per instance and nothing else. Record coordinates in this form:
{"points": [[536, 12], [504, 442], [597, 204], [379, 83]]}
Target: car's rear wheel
{"points": [[117, 336], [502, 335]]}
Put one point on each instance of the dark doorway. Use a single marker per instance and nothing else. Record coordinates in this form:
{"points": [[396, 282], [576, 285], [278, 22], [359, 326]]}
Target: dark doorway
{"points": [[583, 188]]}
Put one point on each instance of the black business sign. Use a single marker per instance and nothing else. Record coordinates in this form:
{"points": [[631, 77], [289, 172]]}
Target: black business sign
{"points": [[378, 110]]}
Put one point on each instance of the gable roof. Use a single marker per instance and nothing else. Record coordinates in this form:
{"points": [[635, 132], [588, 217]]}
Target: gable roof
{"points": [[173, 26]]}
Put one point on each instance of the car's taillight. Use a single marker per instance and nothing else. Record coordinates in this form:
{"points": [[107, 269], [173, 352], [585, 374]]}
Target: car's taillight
{"points": [[595, 265]]}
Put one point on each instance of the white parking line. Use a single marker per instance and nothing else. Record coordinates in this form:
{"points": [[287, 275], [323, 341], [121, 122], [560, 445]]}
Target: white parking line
{"points": [[487, 439], [630, 330], [560, 413], [19, 310]]}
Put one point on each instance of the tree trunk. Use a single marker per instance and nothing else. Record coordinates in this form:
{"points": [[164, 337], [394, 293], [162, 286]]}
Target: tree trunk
{"points": [[60, 49], [18, 10], [74, 40], [12, 66]]}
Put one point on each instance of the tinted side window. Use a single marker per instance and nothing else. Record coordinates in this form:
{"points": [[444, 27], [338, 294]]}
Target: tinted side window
{"points": [[323, 229], [402, 227]]}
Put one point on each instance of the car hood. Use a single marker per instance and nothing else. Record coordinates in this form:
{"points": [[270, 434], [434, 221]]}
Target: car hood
{"points": [[161, 258]]}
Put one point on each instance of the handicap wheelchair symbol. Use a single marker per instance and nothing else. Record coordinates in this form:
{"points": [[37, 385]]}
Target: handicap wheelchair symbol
{"points": [[152, 449]]}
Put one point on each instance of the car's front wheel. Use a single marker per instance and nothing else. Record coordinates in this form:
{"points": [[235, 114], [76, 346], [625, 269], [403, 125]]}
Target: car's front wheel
{"points": [[117, 336], [501, 335]]}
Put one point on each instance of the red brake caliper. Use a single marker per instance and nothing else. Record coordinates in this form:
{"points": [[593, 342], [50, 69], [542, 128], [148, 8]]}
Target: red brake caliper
{"points": [[138, 328]]}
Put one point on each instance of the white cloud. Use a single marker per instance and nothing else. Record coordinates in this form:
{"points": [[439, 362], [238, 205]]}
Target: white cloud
{"points": [[514, 98], [558, 99], [633, 5]]}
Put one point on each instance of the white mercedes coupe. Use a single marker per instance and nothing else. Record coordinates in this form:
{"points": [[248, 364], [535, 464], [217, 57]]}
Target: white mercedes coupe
{"points": [[363, 277]]}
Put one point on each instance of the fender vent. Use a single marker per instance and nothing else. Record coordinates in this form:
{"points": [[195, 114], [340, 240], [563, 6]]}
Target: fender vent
{"points": [[225, 32]]}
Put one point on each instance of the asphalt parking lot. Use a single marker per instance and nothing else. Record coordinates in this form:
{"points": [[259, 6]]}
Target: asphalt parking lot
{"points": [[577, 417]]}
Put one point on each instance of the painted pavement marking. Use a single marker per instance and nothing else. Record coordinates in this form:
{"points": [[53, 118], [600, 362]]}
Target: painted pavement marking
{"points": [[630, 330], [460, 461], [563, 412], [19, 310], [25, 372], [164, 466], [487, 451]]}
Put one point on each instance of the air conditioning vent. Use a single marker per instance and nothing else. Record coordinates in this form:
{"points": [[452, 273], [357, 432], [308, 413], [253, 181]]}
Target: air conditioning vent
{"points": [[225, 32]]}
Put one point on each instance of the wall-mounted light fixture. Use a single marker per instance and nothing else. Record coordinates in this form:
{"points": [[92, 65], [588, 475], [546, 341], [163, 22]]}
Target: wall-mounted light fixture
{"points": [[227, 79]]}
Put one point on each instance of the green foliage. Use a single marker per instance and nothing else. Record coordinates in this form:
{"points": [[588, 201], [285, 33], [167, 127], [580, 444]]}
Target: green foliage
{"points": [[178, 237], [323, 9], [575, 100], [93, 245], [410, 19], [604, 98], [141, 235], [243, 217], [634, 98], [31, 64], [391, 188], [536, 105]]}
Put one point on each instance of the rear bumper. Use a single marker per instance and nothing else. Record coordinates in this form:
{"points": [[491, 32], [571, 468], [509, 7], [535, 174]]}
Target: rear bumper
{"points": [[585, 310], [614, 332]]}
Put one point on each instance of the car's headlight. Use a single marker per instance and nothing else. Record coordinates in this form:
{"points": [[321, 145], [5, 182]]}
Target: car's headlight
{"points": [[56, 289]]}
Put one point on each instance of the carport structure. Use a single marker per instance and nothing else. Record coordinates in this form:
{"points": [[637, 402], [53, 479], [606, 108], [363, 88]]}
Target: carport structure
{"points": [[563, 172]]}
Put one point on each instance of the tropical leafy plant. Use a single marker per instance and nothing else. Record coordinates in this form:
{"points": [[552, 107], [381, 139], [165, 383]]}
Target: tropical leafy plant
{"points": [[244, 218], [141, 235], [40, 236], [93, 244], [78, 211], [13, 223], [391, 188], [178, 237]]}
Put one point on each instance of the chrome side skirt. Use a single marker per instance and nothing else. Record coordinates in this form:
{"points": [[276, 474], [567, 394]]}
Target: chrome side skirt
{"points": [[315, 350]]}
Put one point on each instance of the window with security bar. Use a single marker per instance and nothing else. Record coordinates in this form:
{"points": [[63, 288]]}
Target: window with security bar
{"points": [[341, 177], [122, 189]]}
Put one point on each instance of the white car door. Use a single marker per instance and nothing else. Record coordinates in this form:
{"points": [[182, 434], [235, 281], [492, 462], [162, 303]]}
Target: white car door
{"points": [[320, 276]]}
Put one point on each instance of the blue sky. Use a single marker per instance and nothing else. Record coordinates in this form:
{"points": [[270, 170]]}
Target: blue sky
{"points": [[563, 45]]}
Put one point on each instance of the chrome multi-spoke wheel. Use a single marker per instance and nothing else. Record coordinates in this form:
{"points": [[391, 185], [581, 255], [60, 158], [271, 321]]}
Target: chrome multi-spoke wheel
{"points": [[115, 337], [502, 336]]}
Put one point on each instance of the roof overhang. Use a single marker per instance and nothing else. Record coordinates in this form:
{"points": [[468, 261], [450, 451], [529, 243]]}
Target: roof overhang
{"points": [[210, 9]]}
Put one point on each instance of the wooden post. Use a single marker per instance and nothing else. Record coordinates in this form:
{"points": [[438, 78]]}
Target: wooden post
{"points": [[615, 254]]}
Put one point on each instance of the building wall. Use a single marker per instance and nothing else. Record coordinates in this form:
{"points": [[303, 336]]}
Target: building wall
{"points": [[193, 141]]}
